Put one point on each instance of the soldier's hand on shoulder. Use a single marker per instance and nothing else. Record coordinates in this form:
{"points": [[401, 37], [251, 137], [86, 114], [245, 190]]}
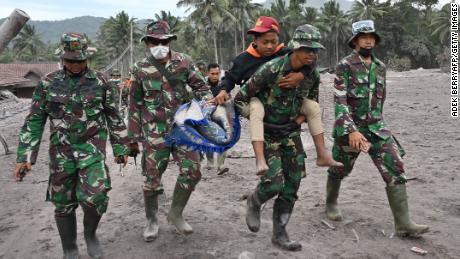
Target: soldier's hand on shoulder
{"points": [[20, 170]]}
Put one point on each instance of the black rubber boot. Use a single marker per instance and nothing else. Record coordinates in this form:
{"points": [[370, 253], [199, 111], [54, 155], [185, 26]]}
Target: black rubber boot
{"points": [[179, 200], [90, 222], [282, 211], [67, 227], [253, 212], [151, 209], [332, 193], [404, 226]]}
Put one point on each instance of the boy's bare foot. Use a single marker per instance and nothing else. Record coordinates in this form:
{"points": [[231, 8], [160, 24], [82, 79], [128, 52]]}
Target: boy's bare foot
{"points": [[325, 160], [261, 167]]}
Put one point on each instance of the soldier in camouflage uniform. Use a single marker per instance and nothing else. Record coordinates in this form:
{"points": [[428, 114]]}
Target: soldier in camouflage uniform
{"points": [[283, 146], [158, 89], [115, 80], [79, 104], [121, 90], [360, 91]]}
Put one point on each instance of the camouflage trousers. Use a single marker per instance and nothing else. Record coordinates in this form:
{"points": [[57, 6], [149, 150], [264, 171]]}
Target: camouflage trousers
{"points": [[69, 185], [385, 153], [155, 159], [286, 162]]}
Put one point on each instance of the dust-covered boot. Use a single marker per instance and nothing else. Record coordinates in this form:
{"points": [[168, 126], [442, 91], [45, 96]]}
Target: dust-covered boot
{"points": [[332, 193], [253, 212], [282, 211], [67, 227], [404, 226], [151, 209], [90, 222], [179, 200]]}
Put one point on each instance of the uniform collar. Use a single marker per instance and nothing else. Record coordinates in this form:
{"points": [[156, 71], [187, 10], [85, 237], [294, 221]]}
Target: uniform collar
{"points": [[253, 52], [357, 59]]}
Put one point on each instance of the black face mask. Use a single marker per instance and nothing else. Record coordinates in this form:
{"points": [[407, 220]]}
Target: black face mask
{"points": [[365, 52]]}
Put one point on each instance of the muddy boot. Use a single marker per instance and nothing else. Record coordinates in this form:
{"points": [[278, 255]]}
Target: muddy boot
{"points": [[151, 209], [67, 227], [253, 212], [90, 223], [281, 213], [179, 200], [332, 193], [404, 226]]}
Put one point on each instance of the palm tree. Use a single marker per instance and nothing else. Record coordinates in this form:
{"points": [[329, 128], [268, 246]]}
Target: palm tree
{"points": [[336, 23], [367, 10], [280, 11], [212, 11], [28, 44], [173, 21], [441, 24], [115, 33], [245, 13]]}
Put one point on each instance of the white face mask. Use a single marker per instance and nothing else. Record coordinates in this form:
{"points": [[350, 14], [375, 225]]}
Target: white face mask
{"points": [[160, 51]]}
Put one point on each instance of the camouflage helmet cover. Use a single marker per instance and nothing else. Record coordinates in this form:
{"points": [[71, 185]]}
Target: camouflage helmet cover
{"points": [[306, 36], [362, 27], [159, 30], [74, 46]]}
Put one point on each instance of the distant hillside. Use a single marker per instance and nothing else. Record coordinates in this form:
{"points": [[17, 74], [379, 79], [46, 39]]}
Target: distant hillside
{"points": [[344, 4], [52, 30]]}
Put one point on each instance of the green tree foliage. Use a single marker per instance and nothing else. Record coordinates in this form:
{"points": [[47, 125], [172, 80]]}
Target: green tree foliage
{"points": [[413, 32]]}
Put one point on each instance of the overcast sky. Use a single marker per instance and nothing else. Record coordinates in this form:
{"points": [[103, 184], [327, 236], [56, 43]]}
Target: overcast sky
{"points": [[59, 10]]}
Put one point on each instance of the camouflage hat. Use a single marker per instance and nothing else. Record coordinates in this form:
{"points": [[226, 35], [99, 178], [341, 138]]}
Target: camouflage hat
{"points": [[306, 36], [362, 27], [74, 46], [115, 72], [159, 30]]}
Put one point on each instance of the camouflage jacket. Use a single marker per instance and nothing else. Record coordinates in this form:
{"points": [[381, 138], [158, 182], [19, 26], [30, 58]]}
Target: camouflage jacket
{"points": [[155, 99], [115, 91], [360, 92], [281, 105], [82, 115]]}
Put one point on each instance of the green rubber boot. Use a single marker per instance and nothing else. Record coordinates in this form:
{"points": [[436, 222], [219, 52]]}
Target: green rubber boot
{"points": [[151, 209], [253, 212], [67, 227], [282, 211], [332, 193], [179, 200], [404, 226], [90, 223]]}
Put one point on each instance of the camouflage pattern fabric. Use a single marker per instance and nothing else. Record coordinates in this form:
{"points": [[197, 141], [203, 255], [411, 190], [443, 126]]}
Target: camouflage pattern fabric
{"points": [[359, 96], [285, 156], [281, 105], [306, 36], [74, 46], [158, 30], [385, 154], [155, 159], [116, 91], [82, 117], [68, 185], [360, 93], [286, 162], [153, 104]]}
